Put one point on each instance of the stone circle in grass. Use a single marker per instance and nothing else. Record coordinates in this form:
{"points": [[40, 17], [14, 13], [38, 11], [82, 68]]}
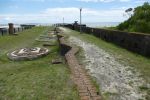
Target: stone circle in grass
{"points": [[27, 53]]}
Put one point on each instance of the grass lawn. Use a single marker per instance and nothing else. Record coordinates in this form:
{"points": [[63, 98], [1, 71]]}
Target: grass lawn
{"points": [[108, 28], [33, 80], [138, 62]]}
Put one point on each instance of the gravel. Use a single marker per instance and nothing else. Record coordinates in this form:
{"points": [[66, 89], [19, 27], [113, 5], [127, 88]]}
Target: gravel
{"points": [[115, 79]]}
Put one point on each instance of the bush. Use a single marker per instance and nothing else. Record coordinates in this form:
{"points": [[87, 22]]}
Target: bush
{"points": [[139, 21]]}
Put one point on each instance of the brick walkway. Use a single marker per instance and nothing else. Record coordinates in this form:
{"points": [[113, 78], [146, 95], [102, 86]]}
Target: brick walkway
{"points": [[87, 90]]}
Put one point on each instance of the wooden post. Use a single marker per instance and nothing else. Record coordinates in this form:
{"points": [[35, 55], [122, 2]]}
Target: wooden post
{"points": [[11, 28]]}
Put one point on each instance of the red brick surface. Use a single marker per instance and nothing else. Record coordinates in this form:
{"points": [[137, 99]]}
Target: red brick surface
{"points": [[86, 89]]}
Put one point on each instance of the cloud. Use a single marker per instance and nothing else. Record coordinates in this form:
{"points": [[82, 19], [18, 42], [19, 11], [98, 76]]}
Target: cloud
{"points": [[26, 18], [96, 0], [124, 0], [93, 15], [29, 0], [103, 0], [55, 15], [140, 1]]}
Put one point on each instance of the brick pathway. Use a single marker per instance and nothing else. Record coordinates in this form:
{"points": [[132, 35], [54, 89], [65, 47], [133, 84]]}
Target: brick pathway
{"points": [[87, 90]]}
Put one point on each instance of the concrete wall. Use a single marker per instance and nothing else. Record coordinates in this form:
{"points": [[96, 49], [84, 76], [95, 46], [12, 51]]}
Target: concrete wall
{"points": [[5, 31], [136, 42], [12, 30]]}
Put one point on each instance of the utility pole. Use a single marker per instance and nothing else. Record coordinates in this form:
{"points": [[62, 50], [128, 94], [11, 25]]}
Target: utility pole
{"points": [[80, 19], [63, 21]]}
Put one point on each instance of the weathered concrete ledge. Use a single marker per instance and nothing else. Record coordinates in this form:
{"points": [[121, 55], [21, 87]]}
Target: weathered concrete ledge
{"points": [[87, 91]]}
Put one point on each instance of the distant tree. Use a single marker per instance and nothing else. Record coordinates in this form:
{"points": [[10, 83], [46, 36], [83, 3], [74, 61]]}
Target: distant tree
{"points": [[129, 11]]}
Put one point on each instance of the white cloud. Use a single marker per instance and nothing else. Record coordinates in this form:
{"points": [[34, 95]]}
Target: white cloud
{"points": [[71, 14], [96, 0], [31, 0], [140, 1], [38, 0], [8, 18], [55, 15], [124, 0], [103, 0]]}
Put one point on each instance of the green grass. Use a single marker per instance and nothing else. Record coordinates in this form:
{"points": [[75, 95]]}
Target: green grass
{"points": [[108, 94], [136, 61], [37, 79], [109, 28]]}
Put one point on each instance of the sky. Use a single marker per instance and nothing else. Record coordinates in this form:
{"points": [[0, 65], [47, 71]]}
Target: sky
{"points": [[53, 11]]}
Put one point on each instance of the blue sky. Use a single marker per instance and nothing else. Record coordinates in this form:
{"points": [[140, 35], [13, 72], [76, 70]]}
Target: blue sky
{"points": [[53, 11]]}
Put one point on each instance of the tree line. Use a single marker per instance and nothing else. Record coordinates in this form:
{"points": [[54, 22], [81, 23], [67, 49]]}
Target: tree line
{"points": [[139, 21]]}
